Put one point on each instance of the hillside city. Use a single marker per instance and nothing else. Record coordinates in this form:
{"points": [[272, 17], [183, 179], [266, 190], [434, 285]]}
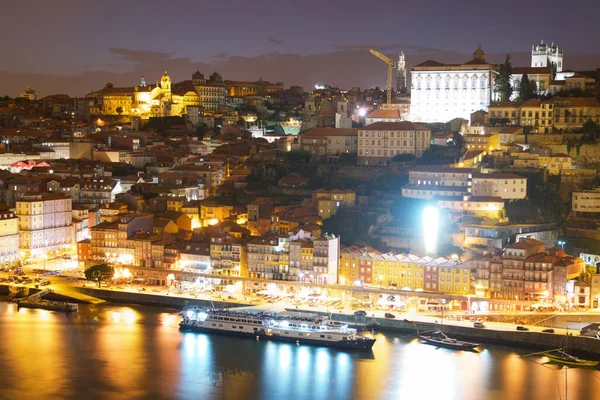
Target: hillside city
{"points": [[469, 187]]}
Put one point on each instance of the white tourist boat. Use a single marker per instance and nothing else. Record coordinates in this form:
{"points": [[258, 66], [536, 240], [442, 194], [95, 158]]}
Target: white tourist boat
{"points": [[285, 327]]}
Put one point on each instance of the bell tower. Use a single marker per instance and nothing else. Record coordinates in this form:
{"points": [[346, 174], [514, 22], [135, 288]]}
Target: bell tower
{"points": [[165, 82]]}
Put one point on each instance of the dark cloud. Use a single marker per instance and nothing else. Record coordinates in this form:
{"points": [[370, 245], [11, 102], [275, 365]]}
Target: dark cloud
{"points": [[93, 66], [275, 41], [407, 48], [139, 56], [219, 56]]}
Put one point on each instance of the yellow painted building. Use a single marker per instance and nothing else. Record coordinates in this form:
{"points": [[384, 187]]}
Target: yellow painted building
{"points": [[454, 278], [487, 142], [211, 214], [9, 235], [401, 271]]}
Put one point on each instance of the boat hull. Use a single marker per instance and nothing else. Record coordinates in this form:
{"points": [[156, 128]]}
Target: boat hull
{"points": [[360, 344], [454, 346], [574, 364]]}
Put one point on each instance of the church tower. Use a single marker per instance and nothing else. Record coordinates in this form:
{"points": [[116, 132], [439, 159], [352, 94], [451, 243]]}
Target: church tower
{"points": [[342, 105], [165, 83], [401, 74], [543, 55]]}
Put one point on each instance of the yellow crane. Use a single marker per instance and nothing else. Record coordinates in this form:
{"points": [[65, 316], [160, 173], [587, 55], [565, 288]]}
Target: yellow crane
{"points": [[391, 67]]}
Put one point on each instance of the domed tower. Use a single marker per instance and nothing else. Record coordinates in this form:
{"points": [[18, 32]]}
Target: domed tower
{"points": [[165, 82], [215, 77], [479, 54], [544, 55], [198, 78]]}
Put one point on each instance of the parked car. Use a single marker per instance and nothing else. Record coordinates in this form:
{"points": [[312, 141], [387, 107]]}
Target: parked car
{"points": [[360, 313], [389, 315], [549, 330], [478, 324], [522, 328]]}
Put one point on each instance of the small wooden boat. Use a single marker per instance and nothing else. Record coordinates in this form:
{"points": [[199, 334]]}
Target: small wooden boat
{"points": [[439, 338], [560, 357]]}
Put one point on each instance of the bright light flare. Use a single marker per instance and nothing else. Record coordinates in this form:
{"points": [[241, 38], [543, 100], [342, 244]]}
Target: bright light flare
{"points": [[430, 229]]}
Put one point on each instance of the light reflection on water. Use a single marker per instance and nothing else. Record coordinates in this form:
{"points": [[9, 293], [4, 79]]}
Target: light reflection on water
{"points": [[121, 352]]}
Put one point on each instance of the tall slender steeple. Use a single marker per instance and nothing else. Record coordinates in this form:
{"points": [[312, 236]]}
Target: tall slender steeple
{"points": [[401, 74]]}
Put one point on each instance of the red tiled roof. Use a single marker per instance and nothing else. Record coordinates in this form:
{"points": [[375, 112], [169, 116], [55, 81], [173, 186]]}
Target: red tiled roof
{"points": [[531, 70], [320, 132], [395, 126], [384, 114]]}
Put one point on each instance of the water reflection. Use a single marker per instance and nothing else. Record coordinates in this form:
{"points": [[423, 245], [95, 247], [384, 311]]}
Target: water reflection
{"points": [[121, 352]]}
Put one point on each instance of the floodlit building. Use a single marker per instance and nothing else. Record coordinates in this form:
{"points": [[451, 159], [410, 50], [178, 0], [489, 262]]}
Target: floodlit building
{"points": [[9, 235], [45, 225], [441, 92]]}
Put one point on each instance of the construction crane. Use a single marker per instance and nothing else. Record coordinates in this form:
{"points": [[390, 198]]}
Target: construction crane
{"points": [[391, 67]]}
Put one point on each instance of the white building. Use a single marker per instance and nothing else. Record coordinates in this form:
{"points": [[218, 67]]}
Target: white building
{"points": [[61, 149], [379, 142], [326, 259], [586, 203], [543, 55], [45, 224], [499, 184], [429, 182], [442, 92]]}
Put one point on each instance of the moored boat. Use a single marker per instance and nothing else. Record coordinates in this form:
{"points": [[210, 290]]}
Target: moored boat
{"points": [[49, 305], [266, 325], [439, 338], [560, 357]]}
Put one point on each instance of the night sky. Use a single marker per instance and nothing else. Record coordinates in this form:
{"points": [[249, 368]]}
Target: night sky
{"points": [[75, 46]]}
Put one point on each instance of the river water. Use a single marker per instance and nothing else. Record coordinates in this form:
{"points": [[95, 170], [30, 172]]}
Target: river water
{"points": [[136, 352]]}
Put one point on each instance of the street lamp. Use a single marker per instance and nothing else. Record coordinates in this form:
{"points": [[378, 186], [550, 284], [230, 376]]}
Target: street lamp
{"points": [[562, 243], [44, 257]]}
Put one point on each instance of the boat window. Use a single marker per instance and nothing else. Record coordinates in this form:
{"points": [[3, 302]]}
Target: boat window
{"points": [[237, 320], [328, 336], [221, 325], [345, 338], [214, 324], [241, 327], [322, 336], [233, 326]]}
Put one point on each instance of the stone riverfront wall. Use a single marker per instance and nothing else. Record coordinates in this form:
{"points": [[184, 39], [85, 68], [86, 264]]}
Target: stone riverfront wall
{"points": [[544, 341], [155, 299]]}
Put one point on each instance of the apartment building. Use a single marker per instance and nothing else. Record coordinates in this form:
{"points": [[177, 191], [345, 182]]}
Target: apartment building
{"points": [[332, 142], [9, 235], [381, 141], [326, 259], [586, 203], [229, 255], [45, 225], [327, 202], [498, 184]]}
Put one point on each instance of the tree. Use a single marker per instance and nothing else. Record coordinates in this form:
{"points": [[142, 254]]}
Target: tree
{"points": [[119, 110], [99, 273], [403, 157], [503, 86], [591, 128], [527, 88]]}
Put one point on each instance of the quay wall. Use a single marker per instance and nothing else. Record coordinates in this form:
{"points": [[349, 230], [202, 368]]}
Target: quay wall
{"points": [[155, 299], [543, 341]]}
